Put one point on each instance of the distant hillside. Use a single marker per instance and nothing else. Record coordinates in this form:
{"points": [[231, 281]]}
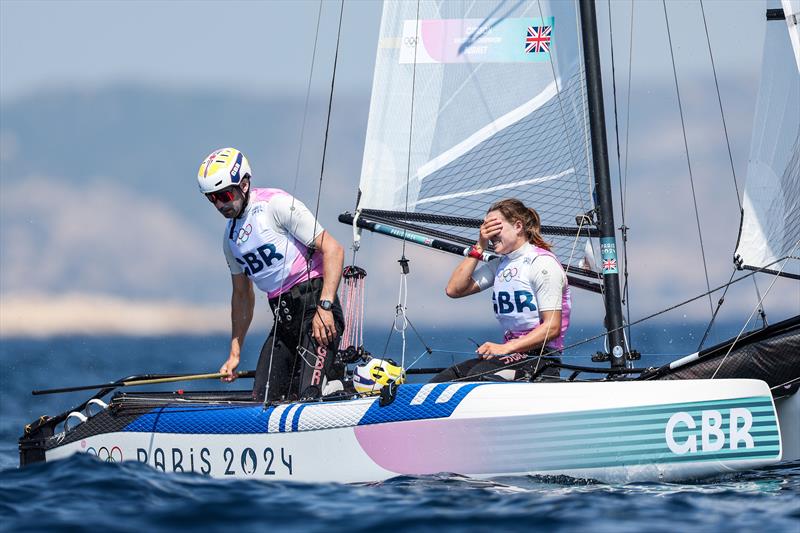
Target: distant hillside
{"points": [[99, 206], [154, 140], [99, 193]]}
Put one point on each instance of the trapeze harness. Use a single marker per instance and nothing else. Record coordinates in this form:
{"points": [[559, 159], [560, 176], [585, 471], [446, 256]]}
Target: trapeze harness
{"points": [[270, 243], [526, 281]]}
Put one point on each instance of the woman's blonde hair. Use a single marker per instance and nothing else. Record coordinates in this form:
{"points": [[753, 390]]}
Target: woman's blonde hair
{"points": [[514, 210]]}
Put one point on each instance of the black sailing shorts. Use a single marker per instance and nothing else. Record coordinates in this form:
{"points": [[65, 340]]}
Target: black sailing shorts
{"points": [[299, 366]]}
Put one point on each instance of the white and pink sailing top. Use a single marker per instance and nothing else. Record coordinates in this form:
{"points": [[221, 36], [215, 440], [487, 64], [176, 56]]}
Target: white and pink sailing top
{"points": [[528, 280], [271, 240]]}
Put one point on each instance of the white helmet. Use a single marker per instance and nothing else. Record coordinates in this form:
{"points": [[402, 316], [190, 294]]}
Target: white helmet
{"points": [[222, 168], [371, 376]]}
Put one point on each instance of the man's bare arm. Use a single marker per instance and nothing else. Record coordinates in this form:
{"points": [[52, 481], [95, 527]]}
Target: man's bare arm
{"points": [[243, 301], [323, 327]]}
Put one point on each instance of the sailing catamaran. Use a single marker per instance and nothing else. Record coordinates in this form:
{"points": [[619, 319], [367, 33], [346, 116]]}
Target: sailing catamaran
{"points": [[473, 102]]}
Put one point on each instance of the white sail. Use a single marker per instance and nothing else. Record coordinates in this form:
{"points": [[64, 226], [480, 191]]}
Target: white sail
{"points": [[771, 220], [475, 101]]}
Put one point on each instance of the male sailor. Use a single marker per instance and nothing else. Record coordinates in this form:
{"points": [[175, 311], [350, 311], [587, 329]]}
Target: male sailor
{"points": [[531, 296], [274, 241]]}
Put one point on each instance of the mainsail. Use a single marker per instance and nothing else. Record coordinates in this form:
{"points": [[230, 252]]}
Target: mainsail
{"points": [[771, 209], [475, 101]]}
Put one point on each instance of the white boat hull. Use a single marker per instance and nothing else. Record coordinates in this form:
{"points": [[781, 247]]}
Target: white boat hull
{"points": [[609, 431]]}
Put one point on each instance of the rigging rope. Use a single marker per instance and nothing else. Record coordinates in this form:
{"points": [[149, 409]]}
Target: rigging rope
{"points": [[688, 160], [628, 110], [402, 297], [330, 107], [400, 320], [758, 305], [728, 145], [624, 227], [322, 171], [353, 295], [411, 117], [716, 310], [284, 271], [761, 312], [721, 110]]}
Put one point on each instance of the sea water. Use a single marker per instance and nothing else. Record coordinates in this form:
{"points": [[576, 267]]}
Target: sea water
{"points": [[82, 493]]}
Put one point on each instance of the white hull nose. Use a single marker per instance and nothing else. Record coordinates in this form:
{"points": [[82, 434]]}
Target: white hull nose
{"points": [[788, 409]]}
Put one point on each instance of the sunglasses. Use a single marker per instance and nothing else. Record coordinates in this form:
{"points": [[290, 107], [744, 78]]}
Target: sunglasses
{"points": [[224, 196]]}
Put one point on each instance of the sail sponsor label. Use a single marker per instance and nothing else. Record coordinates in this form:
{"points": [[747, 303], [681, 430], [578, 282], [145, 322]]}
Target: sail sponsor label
{"points": [[511, 40], [608, 255]]}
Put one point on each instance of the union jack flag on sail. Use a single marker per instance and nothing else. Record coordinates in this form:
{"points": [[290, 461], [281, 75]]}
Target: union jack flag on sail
{"points": [[538, 39], [609, 264]]}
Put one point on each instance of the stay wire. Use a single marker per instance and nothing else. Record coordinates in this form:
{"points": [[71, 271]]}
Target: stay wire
{"points": [[572, 158], [758, 305], [402, 297], [762, 313], [411, 117], [624, 227], [628, 106], [324, 155], [294, 195], [330, 109], [716, 310], [688, 159], [727, 138], [721, 110]]}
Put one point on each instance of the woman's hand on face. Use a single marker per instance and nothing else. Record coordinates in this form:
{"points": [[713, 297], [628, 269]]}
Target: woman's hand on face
{"points": [[491, 227]]}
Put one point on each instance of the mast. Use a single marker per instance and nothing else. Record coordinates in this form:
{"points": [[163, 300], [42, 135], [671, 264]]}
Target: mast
{"points": [[605, 209]]}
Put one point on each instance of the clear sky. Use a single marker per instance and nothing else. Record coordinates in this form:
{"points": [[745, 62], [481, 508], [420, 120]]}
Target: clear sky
{"points": [[253, 45], [265, 45]]}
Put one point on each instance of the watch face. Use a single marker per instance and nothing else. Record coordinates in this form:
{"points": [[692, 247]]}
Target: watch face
{"points": [[326, 304]]}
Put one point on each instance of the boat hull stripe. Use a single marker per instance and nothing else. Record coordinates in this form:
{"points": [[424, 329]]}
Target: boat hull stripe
{"points": [[296, 417]]}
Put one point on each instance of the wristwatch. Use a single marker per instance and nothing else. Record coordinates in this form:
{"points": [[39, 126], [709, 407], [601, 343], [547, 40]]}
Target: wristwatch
{"points": [[325, 304]]}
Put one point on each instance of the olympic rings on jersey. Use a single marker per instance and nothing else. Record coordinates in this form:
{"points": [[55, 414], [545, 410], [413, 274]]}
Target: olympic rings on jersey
{"points": [[244, 234], [507, 274]]}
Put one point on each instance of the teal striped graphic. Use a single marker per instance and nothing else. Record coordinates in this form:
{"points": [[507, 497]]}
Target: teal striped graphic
{"points": [[623, 437]]}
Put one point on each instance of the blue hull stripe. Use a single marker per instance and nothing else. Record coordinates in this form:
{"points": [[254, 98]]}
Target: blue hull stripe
{"points": [[296, 417], [284, 415]]}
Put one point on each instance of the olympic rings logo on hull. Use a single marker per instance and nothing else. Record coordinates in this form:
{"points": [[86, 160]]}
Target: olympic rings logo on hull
{"points": [[114, 455]]}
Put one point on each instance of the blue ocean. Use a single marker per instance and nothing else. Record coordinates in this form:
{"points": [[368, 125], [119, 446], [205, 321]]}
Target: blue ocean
{"points": [[82, 493]]}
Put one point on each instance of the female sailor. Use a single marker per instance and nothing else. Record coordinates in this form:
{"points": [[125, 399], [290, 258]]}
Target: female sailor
{"points": [[531, 297]]}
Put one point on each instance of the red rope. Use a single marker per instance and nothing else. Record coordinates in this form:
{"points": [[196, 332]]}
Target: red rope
{"points": [[353, 293]]}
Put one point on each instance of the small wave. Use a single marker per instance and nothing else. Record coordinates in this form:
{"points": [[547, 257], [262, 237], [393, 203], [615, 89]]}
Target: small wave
{"points": [[81, 492]]}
